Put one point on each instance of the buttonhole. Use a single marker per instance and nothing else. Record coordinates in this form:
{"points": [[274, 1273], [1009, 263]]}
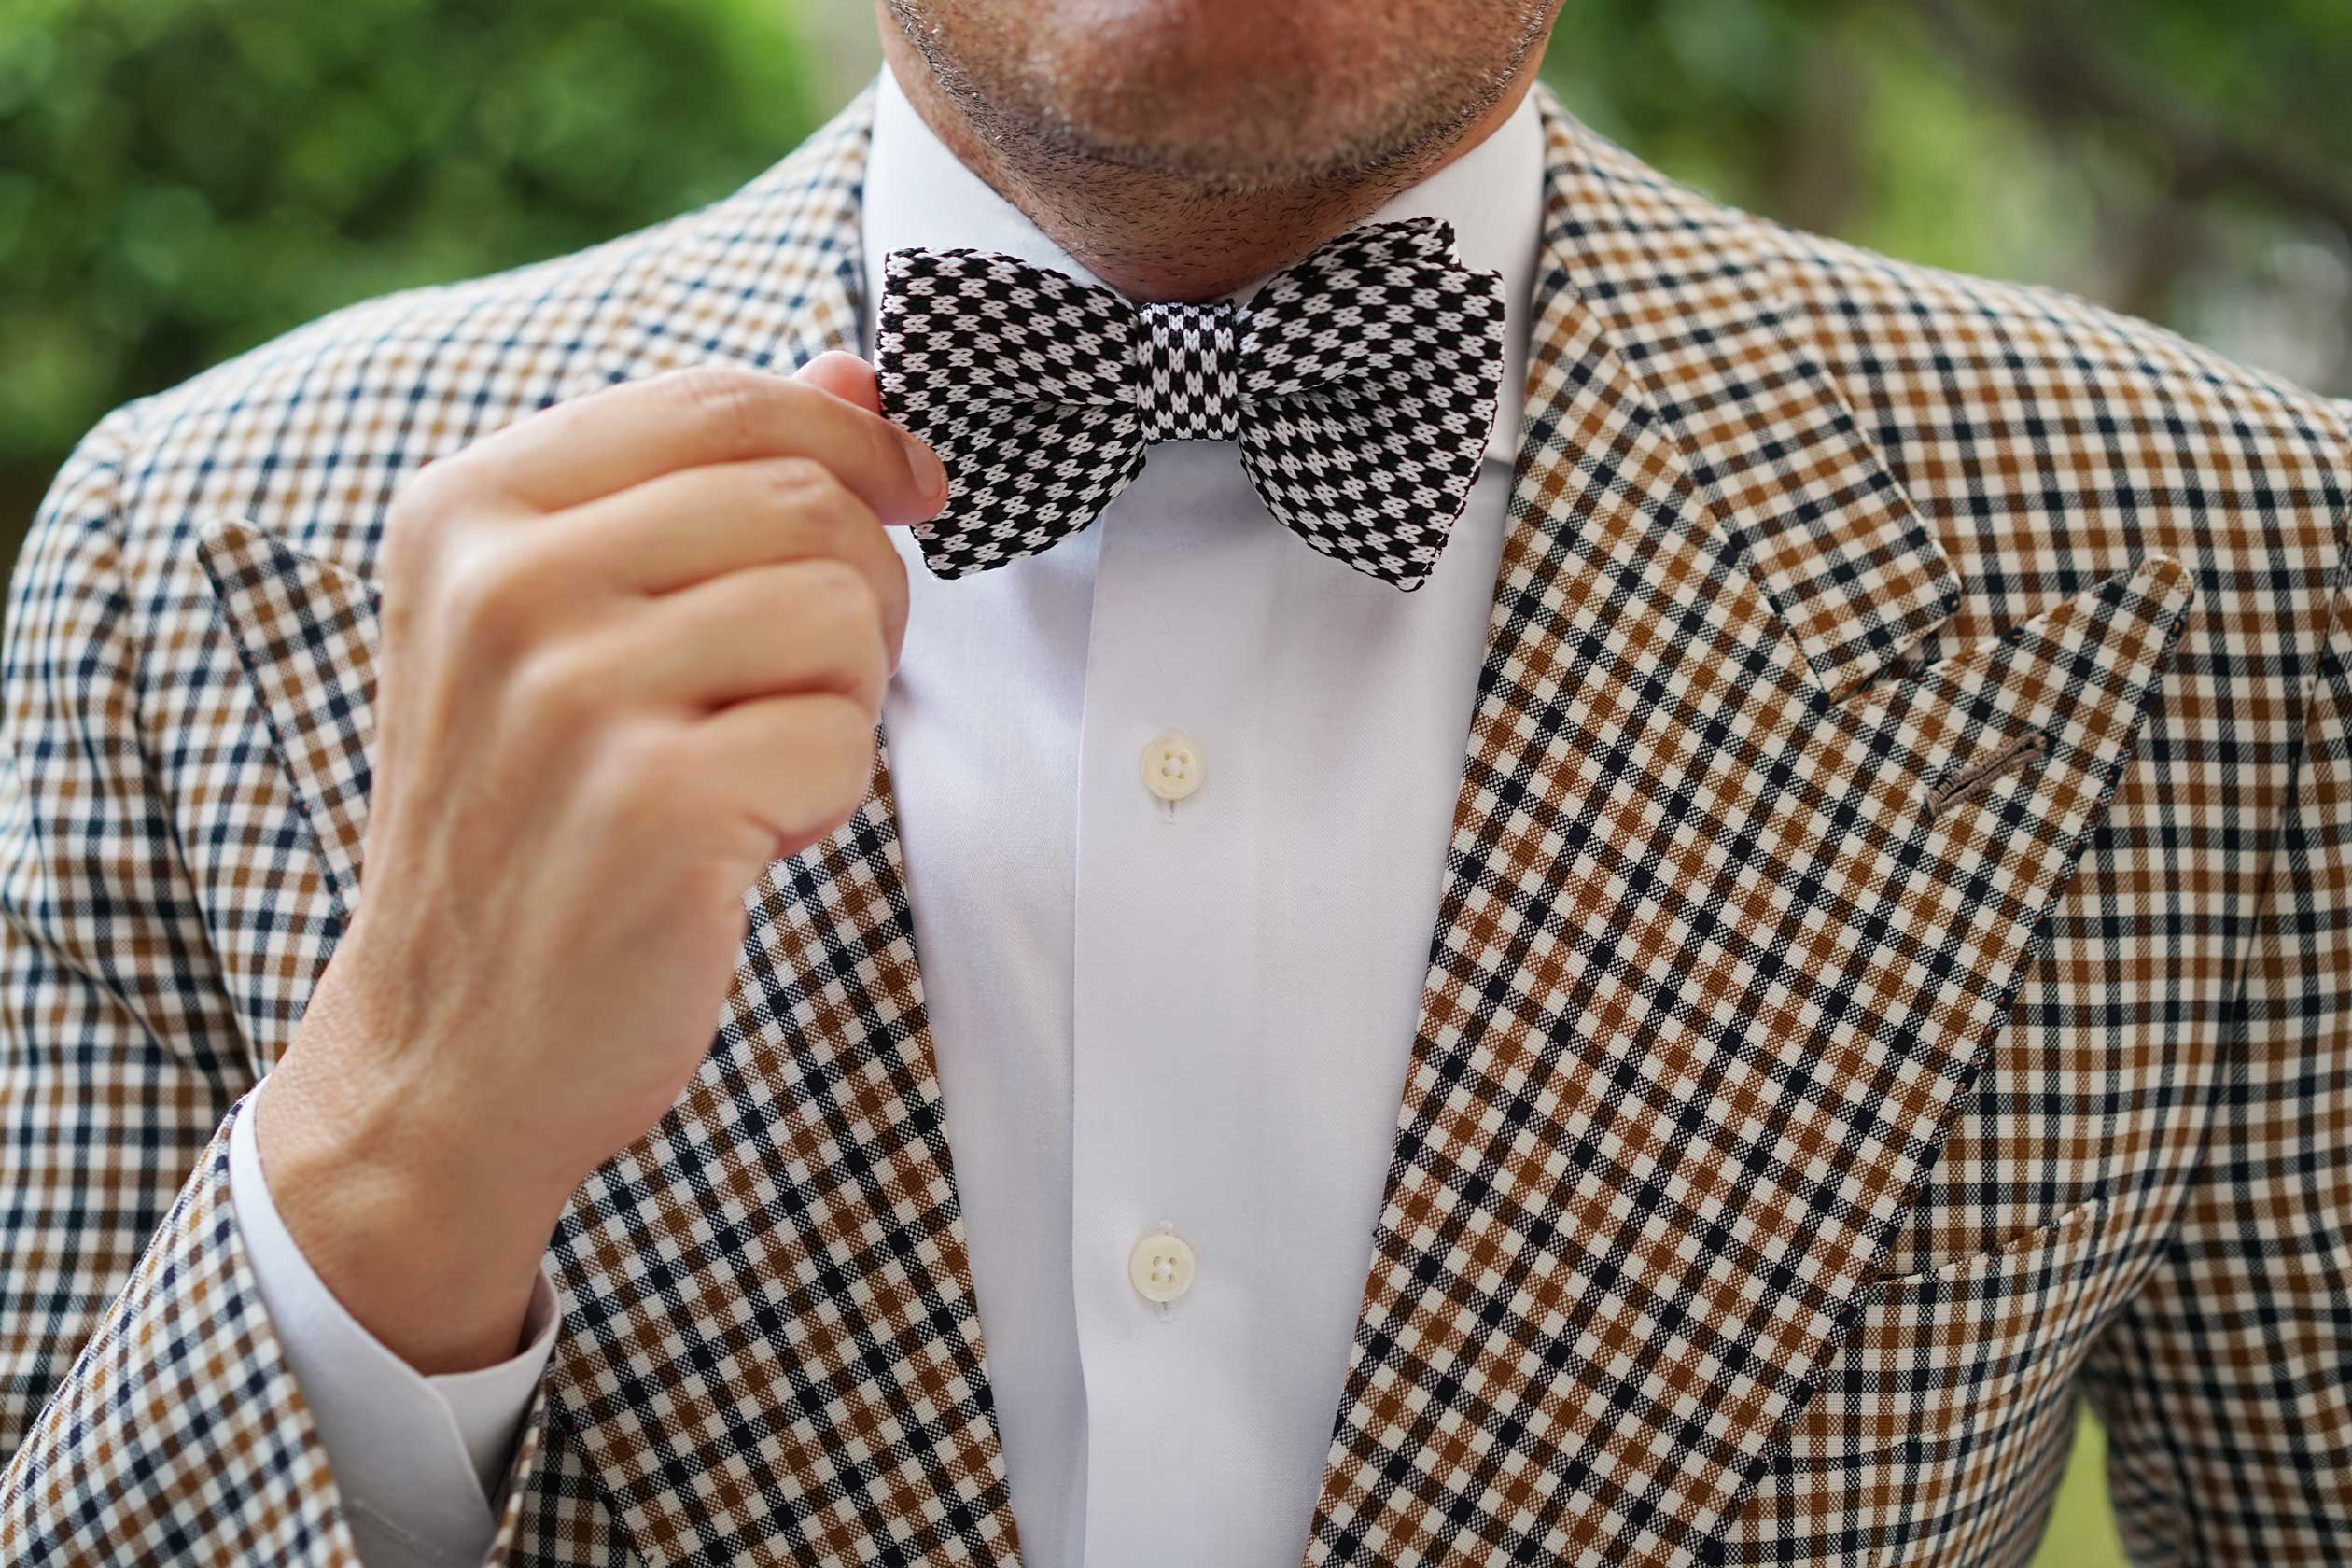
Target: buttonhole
{"points": [[1970, 783]]}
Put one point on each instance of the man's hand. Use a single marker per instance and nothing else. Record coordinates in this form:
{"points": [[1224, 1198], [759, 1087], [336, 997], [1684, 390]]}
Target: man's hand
{"points": [[634, 648]]}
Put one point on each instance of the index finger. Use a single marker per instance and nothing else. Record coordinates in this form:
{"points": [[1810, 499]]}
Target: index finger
{"points": [[624, 435]]}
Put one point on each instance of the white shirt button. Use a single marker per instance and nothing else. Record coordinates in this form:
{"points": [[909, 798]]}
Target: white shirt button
{"points": [[1171, 766], [1161, 1267]]}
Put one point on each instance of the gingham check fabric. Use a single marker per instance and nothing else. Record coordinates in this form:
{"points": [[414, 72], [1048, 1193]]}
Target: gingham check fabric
{"points": [[1892, 978], [1360, 384]]}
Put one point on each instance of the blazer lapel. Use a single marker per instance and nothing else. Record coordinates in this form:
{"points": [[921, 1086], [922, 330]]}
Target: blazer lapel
{"points": [[306, 634], [771, 1352], [1732, 906]]}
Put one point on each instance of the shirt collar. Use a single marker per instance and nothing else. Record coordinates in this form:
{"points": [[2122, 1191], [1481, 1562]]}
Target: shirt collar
{"points": [[917, 194]]}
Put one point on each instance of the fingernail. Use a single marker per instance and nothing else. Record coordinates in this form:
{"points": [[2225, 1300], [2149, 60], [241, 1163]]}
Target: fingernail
{"points": [[922, 465]]}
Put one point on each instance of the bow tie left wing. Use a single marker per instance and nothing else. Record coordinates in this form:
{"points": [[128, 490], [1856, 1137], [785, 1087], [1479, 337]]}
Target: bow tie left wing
{"points": [[1371, 369], [1017, 377]]}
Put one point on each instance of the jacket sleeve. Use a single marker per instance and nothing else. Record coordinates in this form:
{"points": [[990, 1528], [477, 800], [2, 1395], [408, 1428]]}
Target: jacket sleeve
{"points": [[145, 1401], [419, 1459], [2226, 1387]]}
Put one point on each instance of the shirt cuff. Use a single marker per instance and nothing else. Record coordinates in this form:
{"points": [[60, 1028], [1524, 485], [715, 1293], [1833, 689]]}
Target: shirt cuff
{"points": [[419, 1459]]}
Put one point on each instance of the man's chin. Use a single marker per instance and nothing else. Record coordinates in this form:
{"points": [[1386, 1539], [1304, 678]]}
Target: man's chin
{"points": [[1221, 93]]}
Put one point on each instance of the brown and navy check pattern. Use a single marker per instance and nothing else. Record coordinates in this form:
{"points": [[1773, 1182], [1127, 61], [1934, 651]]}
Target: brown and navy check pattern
{"points": [[1892, 978]]}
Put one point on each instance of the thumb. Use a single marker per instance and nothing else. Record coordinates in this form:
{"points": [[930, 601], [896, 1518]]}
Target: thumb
{"points": [[846, 376]]}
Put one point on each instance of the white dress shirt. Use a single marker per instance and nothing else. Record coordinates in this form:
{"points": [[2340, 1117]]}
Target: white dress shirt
{"points": [[1191, 1014]]}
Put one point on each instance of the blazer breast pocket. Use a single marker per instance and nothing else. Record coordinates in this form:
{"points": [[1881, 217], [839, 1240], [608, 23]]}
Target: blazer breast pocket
{"points": [[1932, 1357], [1949, 1389]]}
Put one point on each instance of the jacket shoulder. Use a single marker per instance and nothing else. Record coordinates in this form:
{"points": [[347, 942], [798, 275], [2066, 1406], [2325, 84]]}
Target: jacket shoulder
{"points": [[2028, 423], [324, 421]]}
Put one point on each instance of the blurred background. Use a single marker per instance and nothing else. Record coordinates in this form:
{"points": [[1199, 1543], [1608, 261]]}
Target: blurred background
{"points": [[180, 179]]}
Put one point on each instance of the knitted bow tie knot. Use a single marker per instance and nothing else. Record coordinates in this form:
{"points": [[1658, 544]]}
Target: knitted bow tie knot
{"points": [[1189, 382], [1360, 386]]}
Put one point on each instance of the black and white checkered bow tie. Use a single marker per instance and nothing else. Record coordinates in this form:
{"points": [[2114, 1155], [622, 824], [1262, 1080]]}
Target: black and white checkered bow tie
{"points": [[1359, 383]]}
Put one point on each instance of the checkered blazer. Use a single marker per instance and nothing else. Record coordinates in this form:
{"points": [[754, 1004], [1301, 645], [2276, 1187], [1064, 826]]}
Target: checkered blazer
{"points": [[1892, 972]]}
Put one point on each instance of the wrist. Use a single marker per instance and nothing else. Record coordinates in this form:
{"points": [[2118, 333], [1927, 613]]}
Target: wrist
{"points": [[408, 1215]]}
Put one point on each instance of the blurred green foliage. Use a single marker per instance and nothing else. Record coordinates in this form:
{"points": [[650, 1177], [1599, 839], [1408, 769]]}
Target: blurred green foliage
{"points": [[2185, 161], [2082, 1529], [182, 178]]}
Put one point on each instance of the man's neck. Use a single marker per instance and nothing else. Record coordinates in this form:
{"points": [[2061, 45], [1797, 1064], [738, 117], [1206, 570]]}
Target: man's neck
{"points": [[1160, 236]]}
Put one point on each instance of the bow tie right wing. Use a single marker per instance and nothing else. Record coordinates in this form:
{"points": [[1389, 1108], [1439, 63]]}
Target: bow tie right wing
{"points": [[1016, 376], [1372, 370]]}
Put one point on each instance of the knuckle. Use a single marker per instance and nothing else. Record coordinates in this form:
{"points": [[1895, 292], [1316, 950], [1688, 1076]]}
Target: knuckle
{"points": [[843, 594], [725, 399], [801, 483], [422, 507], [561, 688], [636, 776], [492, 601], [819, 597]]}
